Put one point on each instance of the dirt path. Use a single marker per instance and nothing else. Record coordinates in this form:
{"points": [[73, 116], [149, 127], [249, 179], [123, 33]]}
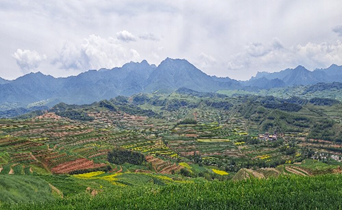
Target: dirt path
{"points": [[11, 171], [256, 174], [53, 188], [33, 157], [119, 171], [289, 169], [283, 171], [301, 170], [114, 169]]}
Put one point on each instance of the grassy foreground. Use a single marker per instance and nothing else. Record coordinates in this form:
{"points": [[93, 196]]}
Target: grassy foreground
{"points": [[291, 192]]}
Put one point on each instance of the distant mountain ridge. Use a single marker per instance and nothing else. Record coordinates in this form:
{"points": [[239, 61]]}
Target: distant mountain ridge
{"points": [[91, 86], [37, 89], [298, 76]]}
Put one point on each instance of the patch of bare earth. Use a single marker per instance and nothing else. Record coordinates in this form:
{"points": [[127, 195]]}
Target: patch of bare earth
{"points": [[1, 169], [169, 169], [242, 174], [49, 115], [11, 171], [301, 170], [120, 170], [161, 166], [289, 169], [255, 174], [189, 153], [93, 192], [336, 170], [79, 164], [272, 169]]}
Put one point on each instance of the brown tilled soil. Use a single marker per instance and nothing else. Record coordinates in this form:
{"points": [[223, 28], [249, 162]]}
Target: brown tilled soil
{"points": [[169, 169], [79, 164], [149, 157], [49, 115], [54, 156], [162, 166]]}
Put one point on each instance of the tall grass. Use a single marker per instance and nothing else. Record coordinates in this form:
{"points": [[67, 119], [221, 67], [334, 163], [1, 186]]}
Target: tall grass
{"points": [[292, 192]]}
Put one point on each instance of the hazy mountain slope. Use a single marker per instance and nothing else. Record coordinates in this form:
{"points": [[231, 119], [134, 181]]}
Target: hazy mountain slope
{"points": [[104, 84], [30, 88], [302, 76], [94, 85], [265, 83], [334, 73], [275, 75], [133, 78], [172, 74]]}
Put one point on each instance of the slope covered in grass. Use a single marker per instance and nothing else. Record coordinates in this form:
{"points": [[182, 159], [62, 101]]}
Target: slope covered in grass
{"points": [[17, 188], [291, 192]]}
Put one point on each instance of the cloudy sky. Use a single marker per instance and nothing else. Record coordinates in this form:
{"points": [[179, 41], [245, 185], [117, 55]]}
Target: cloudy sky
{"points": [[224, 38]]}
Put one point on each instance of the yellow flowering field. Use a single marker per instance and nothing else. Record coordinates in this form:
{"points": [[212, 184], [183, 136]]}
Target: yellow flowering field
{"points": [[219, 172], [89, 175], [213, 140], [185, 165], [263, 157]]}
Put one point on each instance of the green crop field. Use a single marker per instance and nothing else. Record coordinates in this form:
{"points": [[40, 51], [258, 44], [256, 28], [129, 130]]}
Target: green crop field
{"points": [[294, 192]]}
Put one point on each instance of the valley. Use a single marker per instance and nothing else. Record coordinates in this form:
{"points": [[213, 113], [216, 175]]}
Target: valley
{"points": [[162, 140]]}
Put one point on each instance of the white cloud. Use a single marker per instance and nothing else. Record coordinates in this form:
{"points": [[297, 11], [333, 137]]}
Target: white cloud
{"points": [[338, 30], [95, 53], [257, 50], [28, 60], [149, 36], [220, 29], [274, 56], [125, 36], [206, 61], [320, 55]]}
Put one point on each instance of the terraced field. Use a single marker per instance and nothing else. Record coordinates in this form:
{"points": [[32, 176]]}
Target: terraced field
{"points": [[227, 139]]}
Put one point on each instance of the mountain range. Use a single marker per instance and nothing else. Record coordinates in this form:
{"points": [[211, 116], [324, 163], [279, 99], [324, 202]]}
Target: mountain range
{"points": [[37, 89], [297, 76]]}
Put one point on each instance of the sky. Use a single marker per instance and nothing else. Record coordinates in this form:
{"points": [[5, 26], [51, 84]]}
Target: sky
{"points": [[226, 38]]}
